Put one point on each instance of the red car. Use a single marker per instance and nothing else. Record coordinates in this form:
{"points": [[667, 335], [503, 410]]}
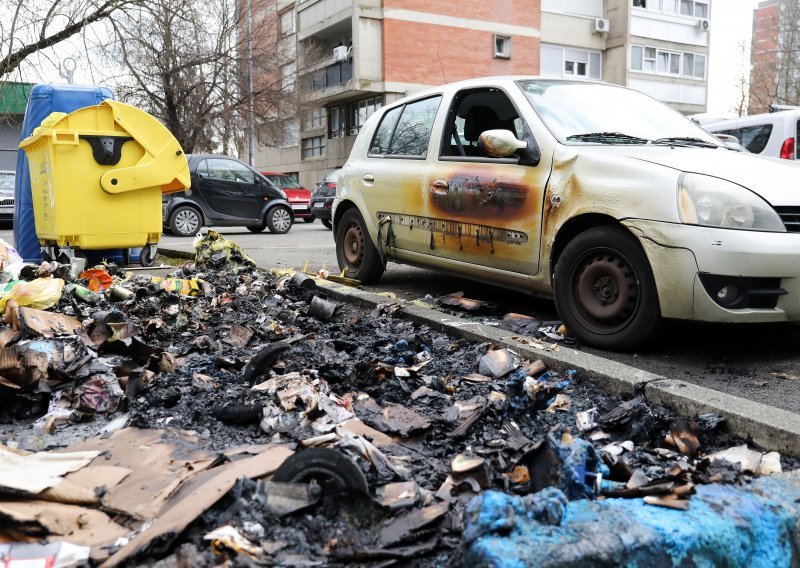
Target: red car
{"points": [[299, 197]]}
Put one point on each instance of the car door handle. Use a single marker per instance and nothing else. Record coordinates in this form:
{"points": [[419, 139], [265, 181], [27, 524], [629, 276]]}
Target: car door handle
{"points": [[368, 178], [440, 185]]}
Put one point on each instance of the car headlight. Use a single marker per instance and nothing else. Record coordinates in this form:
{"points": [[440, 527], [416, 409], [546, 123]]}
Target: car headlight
{"points": [[714, 202]]}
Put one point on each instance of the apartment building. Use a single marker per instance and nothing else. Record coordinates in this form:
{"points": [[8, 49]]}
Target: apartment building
{"points": [[773, 74], [659, 47], [344, 59]]}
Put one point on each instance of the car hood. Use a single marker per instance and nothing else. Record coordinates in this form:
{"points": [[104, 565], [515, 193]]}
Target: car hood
{"points": [[294, 194], [773, 179]]}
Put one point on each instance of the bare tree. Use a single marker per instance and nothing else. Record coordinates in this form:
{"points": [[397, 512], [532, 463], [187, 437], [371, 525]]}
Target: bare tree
{"points": [[184, 60], [29, 26], [743, 81]]}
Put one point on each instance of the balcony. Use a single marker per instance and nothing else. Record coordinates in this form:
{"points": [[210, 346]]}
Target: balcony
{"points": [[325, 18]]}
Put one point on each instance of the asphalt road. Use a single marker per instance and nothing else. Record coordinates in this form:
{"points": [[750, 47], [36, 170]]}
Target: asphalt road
{"points": [[745, 360]]}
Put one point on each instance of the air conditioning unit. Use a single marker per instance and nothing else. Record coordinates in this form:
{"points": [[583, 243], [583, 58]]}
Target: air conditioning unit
{"points": [[703, 25], [353, 131], [340, 53], [600, 25], [337, 134]]}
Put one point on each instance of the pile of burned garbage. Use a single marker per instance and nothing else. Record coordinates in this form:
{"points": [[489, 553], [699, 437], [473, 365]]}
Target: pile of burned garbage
{"points": [[225, 414]]}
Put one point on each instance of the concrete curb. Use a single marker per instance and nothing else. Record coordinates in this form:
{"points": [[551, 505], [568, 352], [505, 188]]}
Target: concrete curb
{"points": [[771, 428]]}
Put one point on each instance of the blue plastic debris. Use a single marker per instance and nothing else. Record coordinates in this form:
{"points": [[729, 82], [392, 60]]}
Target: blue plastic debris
{"points": [[548, 385], [570, 464], [754, 526]]}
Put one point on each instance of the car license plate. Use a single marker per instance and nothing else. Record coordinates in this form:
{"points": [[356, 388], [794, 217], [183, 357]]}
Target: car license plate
{"points": [[299, 206], [7, 210], [317, 204]]}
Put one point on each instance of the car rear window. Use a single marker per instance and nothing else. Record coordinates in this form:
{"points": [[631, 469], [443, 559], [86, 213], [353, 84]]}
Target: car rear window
{"points": [[754, 138]]}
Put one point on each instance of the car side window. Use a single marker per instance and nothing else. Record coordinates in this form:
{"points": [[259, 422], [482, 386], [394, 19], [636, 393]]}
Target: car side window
{"points": [[473, 112], [228, 170], [202, 169], [380, 142], [413, 131]]}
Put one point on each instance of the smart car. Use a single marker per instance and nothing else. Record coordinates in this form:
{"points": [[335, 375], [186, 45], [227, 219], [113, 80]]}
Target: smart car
{"points": [[619, 208], [226, 192]]}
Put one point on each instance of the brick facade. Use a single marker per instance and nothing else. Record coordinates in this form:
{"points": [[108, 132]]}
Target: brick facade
{"points": [[764, 56]]}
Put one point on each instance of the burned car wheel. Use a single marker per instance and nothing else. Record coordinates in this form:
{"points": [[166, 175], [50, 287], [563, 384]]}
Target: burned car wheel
{"points": [[185, 221], [354, 248], [279, 220], [605, 291], [326, 223]]}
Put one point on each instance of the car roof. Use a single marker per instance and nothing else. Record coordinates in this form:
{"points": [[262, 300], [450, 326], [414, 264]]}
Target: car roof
{"points": [[505, 80], [764, 118]]}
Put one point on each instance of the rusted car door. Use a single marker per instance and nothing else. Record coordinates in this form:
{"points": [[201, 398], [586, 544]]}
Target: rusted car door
{"points": [[393, 177], [482, 210]]}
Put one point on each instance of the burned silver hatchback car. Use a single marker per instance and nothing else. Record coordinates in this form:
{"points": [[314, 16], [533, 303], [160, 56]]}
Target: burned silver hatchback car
{"points": [[618, 207]]}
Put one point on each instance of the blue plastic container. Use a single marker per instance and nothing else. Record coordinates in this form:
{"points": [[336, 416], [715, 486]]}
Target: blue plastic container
{"points": [[45, 99]]}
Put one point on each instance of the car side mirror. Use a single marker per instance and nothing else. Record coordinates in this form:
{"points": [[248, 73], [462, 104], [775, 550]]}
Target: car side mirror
{"points": [[499, 143]]}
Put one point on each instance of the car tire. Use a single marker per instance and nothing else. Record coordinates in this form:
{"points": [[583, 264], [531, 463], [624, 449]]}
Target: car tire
{"points": [[185, 221], [279, 220], [327, 223], [605, 291], [257, 228], [354, 249], [309, 219]]}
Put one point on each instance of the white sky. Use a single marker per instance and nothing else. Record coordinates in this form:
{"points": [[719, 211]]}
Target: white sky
{"points": [[731, 23]]}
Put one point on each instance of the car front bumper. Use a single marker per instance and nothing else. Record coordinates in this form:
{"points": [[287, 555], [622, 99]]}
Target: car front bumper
{"points": [[678, 254], [301, 210]]}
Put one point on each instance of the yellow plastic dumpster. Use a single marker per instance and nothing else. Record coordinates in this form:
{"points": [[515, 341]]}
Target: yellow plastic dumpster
{"points": [[97, 176]]}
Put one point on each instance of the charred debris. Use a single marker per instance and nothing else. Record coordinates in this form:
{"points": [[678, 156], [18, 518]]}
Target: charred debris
{"points": [[224, 414]]}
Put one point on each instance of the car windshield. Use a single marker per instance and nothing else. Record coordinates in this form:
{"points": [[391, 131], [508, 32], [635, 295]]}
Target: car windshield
{"points": [[332, 175], [7, 180], [284, 181], [594, 113]]}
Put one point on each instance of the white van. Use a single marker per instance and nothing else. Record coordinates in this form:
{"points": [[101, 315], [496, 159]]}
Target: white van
{"points": [[772, 134]]}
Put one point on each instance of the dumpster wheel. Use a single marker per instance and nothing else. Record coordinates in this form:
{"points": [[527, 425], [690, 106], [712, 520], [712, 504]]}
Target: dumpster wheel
{"points": [[148, 255]]}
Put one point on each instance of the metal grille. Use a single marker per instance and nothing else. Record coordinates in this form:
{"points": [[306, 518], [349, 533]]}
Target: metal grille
{"points": [[791, 218], [6, 202]]}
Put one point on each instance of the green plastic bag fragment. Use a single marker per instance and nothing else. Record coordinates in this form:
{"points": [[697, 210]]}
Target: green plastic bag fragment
{"points": [[215, 251]]}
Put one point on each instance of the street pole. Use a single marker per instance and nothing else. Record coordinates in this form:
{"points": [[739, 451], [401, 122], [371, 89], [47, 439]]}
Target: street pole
{"points": [[250, 113]]}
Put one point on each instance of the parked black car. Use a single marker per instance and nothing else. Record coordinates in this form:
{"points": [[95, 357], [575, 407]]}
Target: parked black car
{"points": [[322, 198], [226, 192]]}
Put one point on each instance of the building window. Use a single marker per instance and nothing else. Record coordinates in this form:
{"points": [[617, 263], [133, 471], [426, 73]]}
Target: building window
{"points": [[287, 76], [338, 124], [566, 62], [361, 111], [314, 119], [332, 75], [681, 64], [591, 8], [291, 133], [502, 46], [287, 23], [313, 147], [639, 3], [694, 8]]}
